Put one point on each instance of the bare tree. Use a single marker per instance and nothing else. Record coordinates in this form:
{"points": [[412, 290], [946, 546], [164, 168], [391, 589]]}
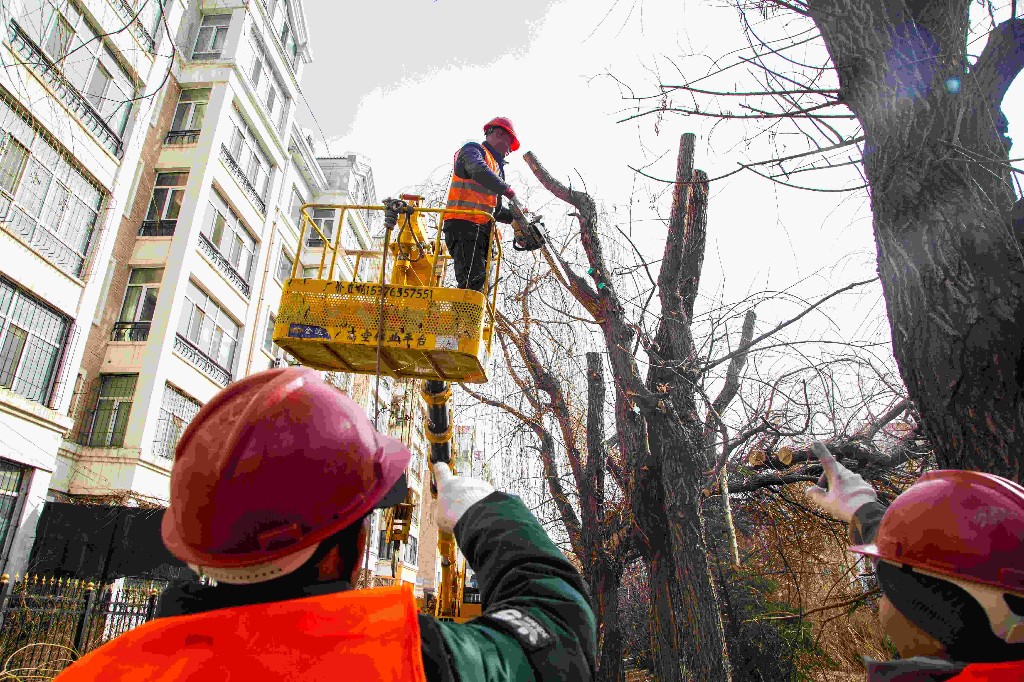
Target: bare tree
{"points": [[891, 90]]}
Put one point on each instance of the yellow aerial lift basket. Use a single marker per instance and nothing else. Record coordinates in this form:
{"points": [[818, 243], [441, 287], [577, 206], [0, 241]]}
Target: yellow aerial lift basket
{"points": [[371, 320]]}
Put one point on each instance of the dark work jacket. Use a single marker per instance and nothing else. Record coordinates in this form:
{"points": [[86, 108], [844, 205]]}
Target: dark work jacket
{"points": [[537, 622], [469, 163]]}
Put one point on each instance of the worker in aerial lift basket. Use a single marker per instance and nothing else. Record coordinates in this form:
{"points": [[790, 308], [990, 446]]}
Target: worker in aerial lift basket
{"points": [[272, 488], [949, 557], [478, 183]]}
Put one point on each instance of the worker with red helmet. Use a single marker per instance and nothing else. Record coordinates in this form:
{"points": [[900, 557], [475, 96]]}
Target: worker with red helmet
{"points": [[272, 488], [478, 183], [949, 557]]}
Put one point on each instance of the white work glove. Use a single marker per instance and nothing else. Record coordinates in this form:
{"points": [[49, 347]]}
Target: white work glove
{"points": [[455, 495], [847, 492]]}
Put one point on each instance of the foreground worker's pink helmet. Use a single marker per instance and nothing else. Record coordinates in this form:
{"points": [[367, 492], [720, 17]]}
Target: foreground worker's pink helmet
{"points": [[272, 465], [965, 525]]}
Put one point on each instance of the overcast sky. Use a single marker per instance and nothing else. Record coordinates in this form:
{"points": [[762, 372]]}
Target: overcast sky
{"points": [[406, 82]]}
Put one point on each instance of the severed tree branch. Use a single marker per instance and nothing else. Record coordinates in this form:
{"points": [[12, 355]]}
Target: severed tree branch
{"points": [[896, 410]]}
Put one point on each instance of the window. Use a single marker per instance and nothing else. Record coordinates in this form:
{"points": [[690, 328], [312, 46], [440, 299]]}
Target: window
{"points": [[324, 219], [113, 407], [77, 49], [412, 551], [268, 335], [58, 37], [150, 14], [296, 208], [266, 82], [52, 205], [32, 337], [310, 272], [385, 549], [281, 23], [12, 163], [165, 205], [229, 236], [213, 32], [12, 477], [285, 263], [249, 155], [176, 411], [189, 114], [209, 328], [139, 304], [350, 237]]}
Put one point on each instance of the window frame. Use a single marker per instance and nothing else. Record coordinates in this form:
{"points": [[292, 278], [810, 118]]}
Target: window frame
{"points": [[12, 485], [268, 85], [85, 39], [205, 334], [295, 210], [163, 447], [283, 257], [190, 106], [137, 328], [116, 426], [216, 29], [171, 199], [314, 240], [63, 234], [244, 241], [28, 314], [249, 155]]}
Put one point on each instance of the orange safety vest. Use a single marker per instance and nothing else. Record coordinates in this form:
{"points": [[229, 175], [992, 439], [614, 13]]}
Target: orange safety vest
{"points": [[365, 635], [990, 672], [467, 193]]}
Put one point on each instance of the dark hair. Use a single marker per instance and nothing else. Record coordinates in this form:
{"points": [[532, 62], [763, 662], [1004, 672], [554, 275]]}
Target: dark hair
{"points": [[948, 613]]}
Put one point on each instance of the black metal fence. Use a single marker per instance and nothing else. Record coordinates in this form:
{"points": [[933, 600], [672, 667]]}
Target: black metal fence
{"points": [[48, 623]]}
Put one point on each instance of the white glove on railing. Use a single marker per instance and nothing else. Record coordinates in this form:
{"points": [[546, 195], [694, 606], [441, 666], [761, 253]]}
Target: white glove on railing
{"points": [[847, 492], [455, 495]]}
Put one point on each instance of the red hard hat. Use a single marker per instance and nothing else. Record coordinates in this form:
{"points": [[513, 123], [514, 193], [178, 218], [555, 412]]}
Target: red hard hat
{"points": [[965, 525], [272, 465], [502, 122]]}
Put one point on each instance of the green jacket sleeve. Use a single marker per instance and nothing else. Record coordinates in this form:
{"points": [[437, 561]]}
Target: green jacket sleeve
{"points": [[537, 624], [864, 524]]}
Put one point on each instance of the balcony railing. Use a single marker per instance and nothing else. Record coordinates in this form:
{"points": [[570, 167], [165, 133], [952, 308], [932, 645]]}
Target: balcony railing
{"points": [[157, 228], [49, 246], [130, 331], [223, 264], [182, 137], [201, 360], [130, 14], [236, 170], [69, 94]]}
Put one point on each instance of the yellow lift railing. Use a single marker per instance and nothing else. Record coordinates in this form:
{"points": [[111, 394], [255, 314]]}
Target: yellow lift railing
{"points": [[401, 323]]}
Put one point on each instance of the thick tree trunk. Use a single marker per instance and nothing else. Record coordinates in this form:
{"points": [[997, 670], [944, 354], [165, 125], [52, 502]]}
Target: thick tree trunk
{"points": [[701, 642], [665, 645], [607, 591], [949, 259], [662, 464]]}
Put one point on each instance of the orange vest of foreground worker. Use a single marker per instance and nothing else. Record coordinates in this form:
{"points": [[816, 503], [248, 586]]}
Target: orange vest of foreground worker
{"points": [[990, 672], [467, 193], [365, 635]]}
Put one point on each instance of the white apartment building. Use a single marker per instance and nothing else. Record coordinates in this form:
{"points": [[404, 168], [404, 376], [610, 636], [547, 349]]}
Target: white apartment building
{"points": [[76, 102], [149, 206]]}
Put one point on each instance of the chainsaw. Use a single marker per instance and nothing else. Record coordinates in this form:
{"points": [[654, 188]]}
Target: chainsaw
{"points": [[528, 232]]}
